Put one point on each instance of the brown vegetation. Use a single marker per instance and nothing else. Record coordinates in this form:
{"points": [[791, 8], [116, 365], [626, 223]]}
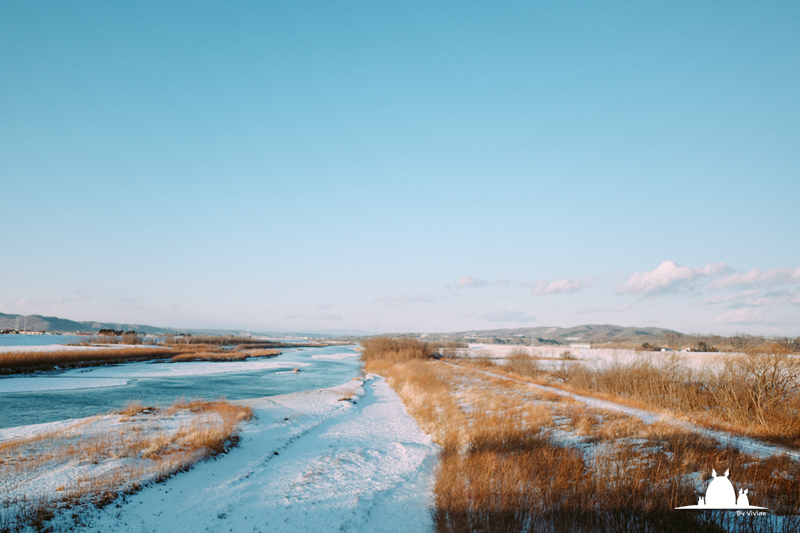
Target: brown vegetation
{"points": [[203, 352], [504, 468], [36, 361], [396, 350], [220, 356], [757, 394], [33, 361], [263, 353]]}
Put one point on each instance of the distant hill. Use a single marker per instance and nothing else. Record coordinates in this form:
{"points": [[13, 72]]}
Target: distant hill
{"points": [[546, 335], [52, 323]]}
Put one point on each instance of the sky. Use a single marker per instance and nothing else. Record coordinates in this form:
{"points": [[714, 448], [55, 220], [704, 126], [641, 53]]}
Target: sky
{"points": [[402, 166]]}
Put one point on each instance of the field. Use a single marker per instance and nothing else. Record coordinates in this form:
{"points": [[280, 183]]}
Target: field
{"points": [[519, 458]]}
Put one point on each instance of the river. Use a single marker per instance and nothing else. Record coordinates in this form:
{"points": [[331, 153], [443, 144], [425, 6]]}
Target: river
{"points": [[63, 394]]}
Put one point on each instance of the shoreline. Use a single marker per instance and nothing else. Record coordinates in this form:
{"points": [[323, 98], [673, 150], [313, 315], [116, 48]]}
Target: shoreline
{"points": [[343, 458]]}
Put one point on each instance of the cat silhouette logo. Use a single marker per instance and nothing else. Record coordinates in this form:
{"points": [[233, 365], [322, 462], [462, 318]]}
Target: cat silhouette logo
{"points": [[720, 494]]}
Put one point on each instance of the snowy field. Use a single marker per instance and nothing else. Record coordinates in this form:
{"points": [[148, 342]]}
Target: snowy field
{"points": [[348, 458], [596, 357]]}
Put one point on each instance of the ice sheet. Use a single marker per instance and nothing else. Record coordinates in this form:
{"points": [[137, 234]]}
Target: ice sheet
{"points": [[38, 384]]}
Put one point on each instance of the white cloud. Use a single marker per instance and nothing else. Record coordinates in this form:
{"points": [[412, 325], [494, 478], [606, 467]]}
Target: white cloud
{"points": [[747, 315], [539, 287], [316, 317], [508, 316], [466, 281], [561, 285], [713, 269], [756, 277], [723, 298], [405, 299], [668, 276]]}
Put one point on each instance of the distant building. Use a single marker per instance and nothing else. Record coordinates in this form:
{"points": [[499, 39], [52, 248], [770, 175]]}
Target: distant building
{"points": [[32, 332], [581, 346]]}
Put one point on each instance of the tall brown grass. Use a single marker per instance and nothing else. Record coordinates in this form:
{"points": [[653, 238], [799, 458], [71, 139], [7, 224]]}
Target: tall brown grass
{"points": [[757, 394], [32, 361], [502, 469], [203, 352], [219, 356], [396, 350], [36, 361]]}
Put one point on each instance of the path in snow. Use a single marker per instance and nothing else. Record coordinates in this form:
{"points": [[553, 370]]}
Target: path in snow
{"points": [[744, 444], [311, 461]]}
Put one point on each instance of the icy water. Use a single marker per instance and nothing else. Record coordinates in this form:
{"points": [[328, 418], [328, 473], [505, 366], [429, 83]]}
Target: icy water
{"points": [[145, 382], [40, 340]]}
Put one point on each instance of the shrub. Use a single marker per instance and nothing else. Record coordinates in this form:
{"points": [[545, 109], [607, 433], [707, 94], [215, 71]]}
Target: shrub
{"points": [[396, 350], [520, 362]]}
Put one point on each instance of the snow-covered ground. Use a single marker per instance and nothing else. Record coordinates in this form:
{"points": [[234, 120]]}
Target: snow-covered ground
{"points": [[36, 383], [747, 445], [336, 356], [595, 357], [349, 458], [115, 375]]}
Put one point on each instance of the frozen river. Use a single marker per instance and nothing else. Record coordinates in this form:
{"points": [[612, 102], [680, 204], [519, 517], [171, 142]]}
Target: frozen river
{"points": [[60, 395]]}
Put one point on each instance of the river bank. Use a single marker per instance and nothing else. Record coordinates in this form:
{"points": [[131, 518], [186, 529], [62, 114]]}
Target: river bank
{"points": [[346, 458]]}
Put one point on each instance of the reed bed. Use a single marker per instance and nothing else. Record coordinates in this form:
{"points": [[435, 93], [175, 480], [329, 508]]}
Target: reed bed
{"points": [[513, 460], [34, 361], [757, 394], [208, 356]]}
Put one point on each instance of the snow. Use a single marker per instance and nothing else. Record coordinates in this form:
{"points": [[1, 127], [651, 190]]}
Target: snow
{"points": [[69, 470], [595, 357], [747, 445], [37, 384], [115, 375], [349, 458], [165, 369], [335, 356]]}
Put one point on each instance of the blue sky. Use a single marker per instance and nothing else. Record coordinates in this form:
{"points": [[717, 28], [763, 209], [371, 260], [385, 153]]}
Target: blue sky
{"points": [[409, 166]]}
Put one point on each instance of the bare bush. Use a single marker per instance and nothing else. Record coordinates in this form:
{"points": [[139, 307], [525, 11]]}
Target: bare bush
{"points": [[520, 362], [397, 350], [762, 387]]}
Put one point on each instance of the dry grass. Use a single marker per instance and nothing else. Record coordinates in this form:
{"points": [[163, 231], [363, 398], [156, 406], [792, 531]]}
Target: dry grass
{"points": [[108, 455], [208, 356], [504, 468], [756, 395], [205, 352], [396, 350], [263, 353], [520, 362], [33, 361]]}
